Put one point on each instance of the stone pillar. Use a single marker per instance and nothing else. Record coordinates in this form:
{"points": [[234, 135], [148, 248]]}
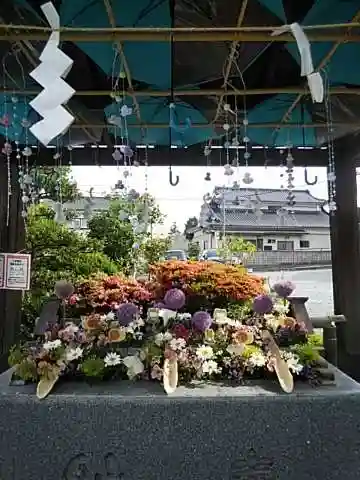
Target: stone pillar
{"points": [[345, 245], [12, 239]]}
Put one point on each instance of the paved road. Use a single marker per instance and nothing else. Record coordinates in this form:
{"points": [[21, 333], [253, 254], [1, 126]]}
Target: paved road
{"points": [[315, 284]]}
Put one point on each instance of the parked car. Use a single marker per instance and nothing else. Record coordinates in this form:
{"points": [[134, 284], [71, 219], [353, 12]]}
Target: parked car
{"points": [[213, 256], [175, 255]]}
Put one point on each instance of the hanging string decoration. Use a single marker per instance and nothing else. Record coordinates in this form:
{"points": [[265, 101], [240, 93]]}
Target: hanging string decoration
{"points": [[331, 176], [50, 74], [314, 79]]}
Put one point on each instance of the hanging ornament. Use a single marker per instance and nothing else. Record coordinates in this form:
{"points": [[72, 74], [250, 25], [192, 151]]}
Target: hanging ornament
{"points": [[227, 107], [119, 185], [207, 198], [126, 173], [117, 155], [207, 177], [25, 123], [226, 127], [235, 142], [228, 170], [236, 186], [7, 149], [114, 120], [27, 152], [126, 151], [136, 163], [54, 67], [125, 111], [5, 121], [247, 178], [207, 150]]}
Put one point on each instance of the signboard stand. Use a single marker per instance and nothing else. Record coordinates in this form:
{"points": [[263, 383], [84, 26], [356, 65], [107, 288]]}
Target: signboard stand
{"points": [[15, 271]]}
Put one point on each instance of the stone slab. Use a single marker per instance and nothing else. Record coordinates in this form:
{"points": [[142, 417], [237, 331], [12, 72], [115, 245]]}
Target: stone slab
{"points": [[128, 431]]}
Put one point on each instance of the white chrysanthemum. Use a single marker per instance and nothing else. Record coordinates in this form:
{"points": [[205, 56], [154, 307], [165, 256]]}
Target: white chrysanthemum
{"points": [[257, 360], [53, 345], [205, 352], [177, 344], [293, 362], [112, 359], [184, 316], [210, 367], [161, 338], [134, 365], [110, 317], [73, 354], [282, 308]]}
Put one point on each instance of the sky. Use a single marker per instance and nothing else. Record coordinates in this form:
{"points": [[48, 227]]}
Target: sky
{"points": [[184, 201]]}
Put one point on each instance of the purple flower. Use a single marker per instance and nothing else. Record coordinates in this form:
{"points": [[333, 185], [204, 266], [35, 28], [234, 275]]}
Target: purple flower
{"points": [[126, 151], [262, 304], [284, 289], [174, 299], [160, 305], [201, 321], [127, 313]]}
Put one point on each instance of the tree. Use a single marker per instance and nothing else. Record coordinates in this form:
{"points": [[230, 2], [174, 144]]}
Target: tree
{"points": [[193, 250], [57, 253], [124, 227], [236, 246], [191, 222], [153, 249], [53, 183], [174, 230]]}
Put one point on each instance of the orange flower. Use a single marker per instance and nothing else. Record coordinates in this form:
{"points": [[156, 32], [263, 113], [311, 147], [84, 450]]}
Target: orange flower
{"points": [[116, 335], [243, 335], [92, 322], [289, 322]]}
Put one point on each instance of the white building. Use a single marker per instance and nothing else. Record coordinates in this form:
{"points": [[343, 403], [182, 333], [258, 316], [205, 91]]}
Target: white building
{"points": [[263, 217]]}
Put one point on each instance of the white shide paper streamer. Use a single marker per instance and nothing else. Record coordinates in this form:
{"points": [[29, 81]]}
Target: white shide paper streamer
{"points": [[50, 74], [314, 79]]}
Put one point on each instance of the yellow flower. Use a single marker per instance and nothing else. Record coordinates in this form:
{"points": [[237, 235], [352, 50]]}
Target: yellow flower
{"points": [[209, 335], [116, 335], [92, 322], [244, 336]]}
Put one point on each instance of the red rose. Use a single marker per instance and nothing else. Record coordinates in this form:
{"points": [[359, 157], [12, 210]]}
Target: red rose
{"points": [[73, 300], [180, 331]]}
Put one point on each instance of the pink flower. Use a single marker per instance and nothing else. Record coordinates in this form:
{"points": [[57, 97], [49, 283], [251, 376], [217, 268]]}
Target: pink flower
{"points": [[170, 354], [156, 372], [73, 300]]}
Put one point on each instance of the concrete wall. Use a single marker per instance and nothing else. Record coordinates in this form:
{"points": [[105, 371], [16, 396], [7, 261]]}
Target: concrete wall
{"points": [[281, 259]]}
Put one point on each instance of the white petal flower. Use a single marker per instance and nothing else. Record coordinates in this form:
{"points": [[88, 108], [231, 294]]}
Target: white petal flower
{"points": [[134, 366], [205, 352], [166, 315], [235, 349], [110, 317], [48, 346], [177, 344], [257, 360], [112, 359], [210, 367], [73, 354]]}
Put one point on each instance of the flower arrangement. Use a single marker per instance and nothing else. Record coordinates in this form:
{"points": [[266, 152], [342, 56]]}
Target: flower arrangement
{"points": [[207, 285], [172, 347]]}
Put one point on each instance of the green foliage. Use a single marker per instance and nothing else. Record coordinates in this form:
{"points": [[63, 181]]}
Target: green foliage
{"points": [[93, 367], [57, 253], [26, 370], [153, 249], [191, 222], [316, 340], [239, 310], [15, 355], [193, 250], [236, 246], [307, 353], [53, 182], [114, 230]]}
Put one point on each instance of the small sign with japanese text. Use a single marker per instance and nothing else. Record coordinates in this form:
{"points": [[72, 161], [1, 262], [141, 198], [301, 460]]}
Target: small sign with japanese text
{"points": [[15, 271]]}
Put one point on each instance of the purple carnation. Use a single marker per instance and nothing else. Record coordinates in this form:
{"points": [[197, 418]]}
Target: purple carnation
{"points": [[262, 304], [127, 313], [201, 321], [284, 289], [174, 299]]}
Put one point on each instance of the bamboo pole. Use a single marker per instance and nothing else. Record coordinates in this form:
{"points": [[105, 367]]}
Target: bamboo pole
{"points": [[230, 60], [11, 33], [355, 125], [195, 93], [321, 65]]}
